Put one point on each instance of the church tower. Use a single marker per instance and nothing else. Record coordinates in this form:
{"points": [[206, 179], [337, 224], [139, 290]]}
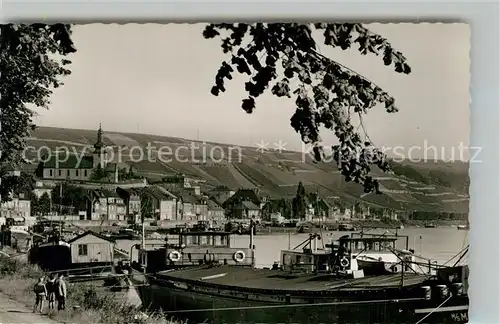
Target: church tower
{"points": [[99, 151]]}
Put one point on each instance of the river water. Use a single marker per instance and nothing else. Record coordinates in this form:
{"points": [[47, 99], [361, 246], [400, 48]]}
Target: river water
{"points": [[438, 244]]}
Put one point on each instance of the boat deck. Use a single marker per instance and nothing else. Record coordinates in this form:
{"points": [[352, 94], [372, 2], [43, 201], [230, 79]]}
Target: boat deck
{"points": [[279, 280]]}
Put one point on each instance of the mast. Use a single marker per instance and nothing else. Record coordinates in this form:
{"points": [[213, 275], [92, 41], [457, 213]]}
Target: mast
{"points": [[60, 198], [252, 225], [143, 243], [60, 209]]}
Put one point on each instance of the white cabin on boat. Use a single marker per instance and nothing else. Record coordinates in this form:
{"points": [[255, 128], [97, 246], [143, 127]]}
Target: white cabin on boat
{"points": [[374, 253], [359, 256]]}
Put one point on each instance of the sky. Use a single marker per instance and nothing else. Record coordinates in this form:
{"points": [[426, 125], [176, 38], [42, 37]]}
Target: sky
{"points": [[156, 79]]}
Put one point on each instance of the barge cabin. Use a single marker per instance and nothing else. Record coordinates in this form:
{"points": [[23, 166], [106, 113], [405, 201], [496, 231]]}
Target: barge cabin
{"points": [[193, 248]]}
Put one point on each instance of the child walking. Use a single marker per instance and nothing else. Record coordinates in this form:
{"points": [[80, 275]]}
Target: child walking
{"points": [[51, 291]]}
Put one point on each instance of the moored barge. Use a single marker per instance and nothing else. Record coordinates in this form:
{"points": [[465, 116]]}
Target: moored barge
{"points": [[310, 286]]}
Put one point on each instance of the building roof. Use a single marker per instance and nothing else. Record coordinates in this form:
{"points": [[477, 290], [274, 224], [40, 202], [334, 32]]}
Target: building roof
{"points": [[112, 167], [129, 191], [90, 233], [192, 199], [106, 193], [188, 196], [220, 188], [243, 195], [20, 195], [212, 205], [67, 161], [250, 205], [159, 193]]}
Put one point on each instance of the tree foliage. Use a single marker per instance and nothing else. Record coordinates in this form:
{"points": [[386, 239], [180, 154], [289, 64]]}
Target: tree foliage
{"points": [[41, 206], [285, 58], [300, 202], [98, 174], [32, 62], [16, 184], [282, 206], [146, 207], [73, 198]]}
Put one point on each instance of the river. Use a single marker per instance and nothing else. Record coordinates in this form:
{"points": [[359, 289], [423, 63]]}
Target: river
{"points": [[439, 244]]}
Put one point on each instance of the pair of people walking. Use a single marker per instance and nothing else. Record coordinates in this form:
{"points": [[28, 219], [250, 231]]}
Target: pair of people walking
{"points": [[53, 290]]}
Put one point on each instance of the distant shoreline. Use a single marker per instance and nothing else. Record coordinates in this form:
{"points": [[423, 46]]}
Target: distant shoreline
{"points": [[358, 225]]}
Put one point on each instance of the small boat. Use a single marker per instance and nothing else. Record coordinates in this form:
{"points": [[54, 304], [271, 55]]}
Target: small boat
{"points": [[304, 229], [123, 234], [463, 227], [430, 225], [346, 228], [204, 282]]}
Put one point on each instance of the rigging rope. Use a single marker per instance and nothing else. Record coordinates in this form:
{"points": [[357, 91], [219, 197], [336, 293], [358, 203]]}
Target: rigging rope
{"points": [[294, 305], [456, 255], [440, 305]]}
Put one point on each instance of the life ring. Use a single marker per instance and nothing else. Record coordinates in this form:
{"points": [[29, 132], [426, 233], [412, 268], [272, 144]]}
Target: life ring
{"points": [[239, 256], [174, 256], [344, 262], [397, 268]]}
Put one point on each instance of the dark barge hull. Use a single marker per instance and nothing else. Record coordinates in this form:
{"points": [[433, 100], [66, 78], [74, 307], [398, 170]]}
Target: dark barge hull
{"points": [[202, 302]]}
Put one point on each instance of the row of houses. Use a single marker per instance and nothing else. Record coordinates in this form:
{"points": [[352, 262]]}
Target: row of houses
{"points": [[162, 204]]}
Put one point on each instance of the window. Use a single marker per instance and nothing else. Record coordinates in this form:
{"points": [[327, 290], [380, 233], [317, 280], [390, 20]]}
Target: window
{"points": [[50, 172], [67, 173], [82, 249], [59, 172], [76, 173], [85, 173]]}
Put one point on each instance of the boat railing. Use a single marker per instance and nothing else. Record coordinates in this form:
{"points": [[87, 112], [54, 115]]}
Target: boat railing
{"points": [[90, 271], [154, 245]]}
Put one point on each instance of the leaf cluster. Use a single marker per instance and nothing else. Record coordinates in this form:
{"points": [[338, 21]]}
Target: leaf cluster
{"points": [[284, 57], [32, 60]]}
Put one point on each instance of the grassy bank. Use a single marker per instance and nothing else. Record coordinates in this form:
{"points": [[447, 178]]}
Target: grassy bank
{"points": [[84, 303]]}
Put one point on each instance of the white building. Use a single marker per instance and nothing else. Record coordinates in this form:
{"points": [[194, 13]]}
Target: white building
{"points": [[18, 206], [163, 204]]}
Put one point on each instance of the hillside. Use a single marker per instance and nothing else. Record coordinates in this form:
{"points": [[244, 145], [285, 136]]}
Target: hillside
{"points": [[432, 186]]}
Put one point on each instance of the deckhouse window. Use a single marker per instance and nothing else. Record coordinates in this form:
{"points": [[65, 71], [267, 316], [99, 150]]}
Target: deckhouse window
{"points": [[82, 249]]}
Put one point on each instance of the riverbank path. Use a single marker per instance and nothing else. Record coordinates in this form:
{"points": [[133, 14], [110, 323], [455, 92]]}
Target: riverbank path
{"points": [[12, 311]]}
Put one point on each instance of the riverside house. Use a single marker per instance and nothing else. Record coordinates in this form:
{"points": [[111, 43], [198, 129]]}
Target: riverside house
{"points": [[244, 204], [105, 204], [193, 207], [159, 203], [132, 199], [215, 211], [245, 210]]}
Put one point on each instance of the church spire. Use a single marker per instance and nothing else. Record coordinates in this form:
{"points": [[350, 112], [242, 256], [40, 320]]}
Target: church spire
{"points": [[99, 145]]}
